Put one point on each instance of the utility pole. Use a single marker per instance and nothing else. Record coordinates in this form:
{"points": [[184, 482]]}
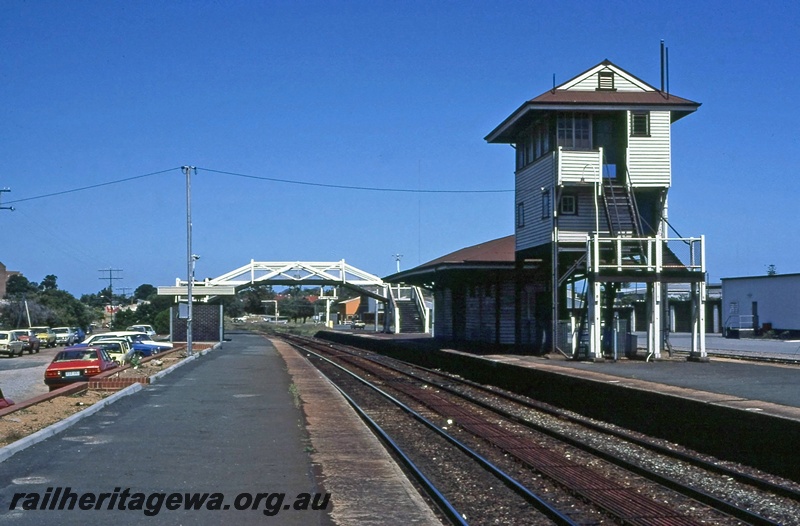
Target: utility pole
{"points": [[397, 258], [1, 194], [111, 277], [190, 258]]}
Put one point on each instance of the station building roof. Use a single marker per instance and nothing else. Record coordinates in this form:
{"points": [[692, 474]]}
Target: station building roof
{"points": [[495, 255]]}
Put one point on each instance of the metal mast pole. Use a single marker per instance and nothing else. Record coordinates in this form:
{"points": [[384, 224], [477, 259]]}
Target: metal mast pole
{"points": [[189, 258], [5, 207]]}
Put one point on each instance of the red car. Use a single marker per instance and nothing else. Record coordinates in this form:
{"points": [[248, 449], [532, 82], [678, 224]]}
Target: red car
{"points": [[5, 402], [32, 343], [77, 364]]}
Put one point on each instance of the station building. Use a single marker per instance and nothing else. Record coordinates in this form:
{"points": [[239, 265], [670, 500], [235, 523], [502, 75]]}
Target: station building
{"points": [[593, 171]]}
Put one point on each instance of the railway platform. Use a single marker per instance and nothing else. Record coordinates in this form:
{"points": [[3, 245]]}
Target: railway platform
{"points": [[252, 426]]}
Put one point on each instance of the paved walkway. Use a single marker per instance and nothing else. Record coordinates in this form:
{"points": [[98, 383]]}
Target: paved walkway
{"points": [[227, 425]]}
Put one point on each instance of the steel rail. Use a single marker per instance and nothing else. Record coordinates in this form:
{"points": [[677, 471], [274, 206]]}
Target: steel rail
{"points": [[538, 502], [442, 502], [701, 496], [737, 475]]}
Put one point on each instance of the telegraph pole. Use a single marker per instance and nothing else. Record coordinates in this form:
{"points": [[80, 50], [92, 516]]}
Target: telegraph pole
{"points": [[190, 258], [111, 277]]}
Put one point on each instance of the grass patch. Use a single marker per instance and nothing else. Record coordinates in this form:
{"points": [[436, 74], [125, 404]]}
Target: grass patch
{"points": [[295, 396]]}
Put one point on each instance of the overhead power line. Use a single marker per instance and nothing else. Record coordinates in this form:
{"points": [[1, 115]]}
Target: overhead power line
{"points": [[263, 178], [118, 181], [347, 187]]}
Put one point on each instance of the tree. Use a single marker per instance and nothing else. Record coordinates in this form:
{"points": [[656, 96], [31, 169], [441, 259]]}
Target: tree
{"points": [[296, 308], [145, 292], [252, 296], [124, 318], [18, 285], [63, 309], [148, 311], [49, 283]]}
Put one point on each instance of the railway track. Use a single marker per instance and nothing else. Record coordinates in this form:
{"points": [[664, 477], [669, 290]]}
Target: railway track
{"points": [[585, 471]]}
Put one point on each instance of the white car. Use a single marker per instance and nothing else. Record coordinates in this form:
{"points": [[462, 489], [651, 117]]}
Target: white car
{"points": [[10, 345], [64, 336], [139, 337], [147, 329]]}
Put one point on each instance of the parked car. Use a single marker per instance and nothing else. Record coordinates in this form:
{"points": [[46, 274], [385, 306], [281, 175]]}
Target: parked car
{"points": [[77, 364], [64, 336], [80, 334], [147, 329], [10, 345], [119, 350], [5, 402], [46, 336], [357, 324], [140, 349], [28, 338], [142, 338]]}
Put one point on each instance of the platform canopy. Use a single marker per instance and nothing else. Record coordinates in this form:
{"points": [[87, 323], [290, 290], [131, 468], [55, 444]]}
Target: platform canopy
{"points": [[303, 273]]}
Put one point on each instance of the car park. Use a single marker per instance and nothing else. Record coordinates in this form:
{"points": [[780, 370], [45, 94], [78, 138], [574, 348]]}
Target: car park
{"points": [[64, 336], [77, 364], [10, 345], [29, 339], [46, 336], [147, 329]]}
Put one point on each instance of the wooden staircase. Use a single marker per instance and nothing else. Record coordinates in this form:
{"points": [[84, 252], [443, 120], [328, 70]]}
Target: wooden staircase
{"points": [[410, 319]]}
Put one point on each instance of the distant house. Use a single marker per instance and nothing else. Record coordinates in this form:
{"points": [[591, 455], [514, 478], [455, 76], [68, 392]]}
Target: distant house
{"points": [[753, 304], [348, 309], [4, 275]]}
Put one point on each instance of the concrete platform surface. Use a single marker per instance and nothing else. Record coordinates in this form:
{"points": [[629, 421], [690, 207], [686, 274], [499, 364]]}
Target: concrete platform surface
{"points": [[764, 387], [230, 426]]}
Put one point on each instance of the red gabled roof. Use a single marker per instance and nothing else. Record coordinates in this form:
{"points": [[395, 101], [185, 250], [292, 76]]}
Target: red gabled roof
{"points": [[649, 98], [495, 251], [498, 254], [567, 99]]}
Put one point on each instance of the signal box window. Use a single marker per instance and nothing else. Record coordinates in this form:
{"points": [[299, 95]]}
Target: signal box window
{"points": [[569, 205], [640, 124]]}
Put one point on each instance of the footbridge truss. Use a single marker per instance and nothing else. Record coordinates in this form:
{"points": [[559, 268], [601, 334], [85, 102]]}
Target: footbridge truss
{"points": [[303, 273], [310, 274]]}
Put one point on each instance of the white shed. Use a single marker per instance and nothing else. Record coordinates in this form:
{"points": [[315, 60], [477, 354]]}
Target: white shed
{"points": [[762, 303]]}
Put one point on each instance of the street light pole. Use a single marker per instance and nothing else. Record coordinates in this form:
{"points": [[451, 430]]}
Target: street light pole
{"points": [[190, 259]]}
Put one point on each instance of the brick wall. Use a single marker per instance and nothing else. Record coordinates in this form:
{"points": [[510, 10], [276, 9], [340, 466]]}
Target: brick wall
{"points": [[206, 323]]}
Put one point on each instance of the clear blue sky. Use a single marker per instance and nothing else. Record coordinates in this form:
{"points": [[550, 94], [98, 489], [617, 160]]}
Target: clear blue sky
{"points": [[395, 95]]}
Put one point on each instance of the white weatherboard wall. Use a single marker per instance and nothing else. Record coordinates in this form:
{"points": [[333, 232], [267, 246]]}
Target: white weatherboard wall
{"points": [[778, 299]]}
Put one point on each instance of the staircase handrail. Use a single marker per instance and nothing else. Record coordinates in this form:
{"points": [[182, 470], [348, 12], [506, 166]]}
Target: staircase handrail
{"points": [[423, 309], [392, 302]]}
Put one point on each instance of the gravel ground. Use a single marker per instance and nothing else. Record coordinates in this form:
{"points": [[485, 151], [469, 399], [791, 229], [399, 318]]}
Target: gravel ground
{"points": [[25, 379]]}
